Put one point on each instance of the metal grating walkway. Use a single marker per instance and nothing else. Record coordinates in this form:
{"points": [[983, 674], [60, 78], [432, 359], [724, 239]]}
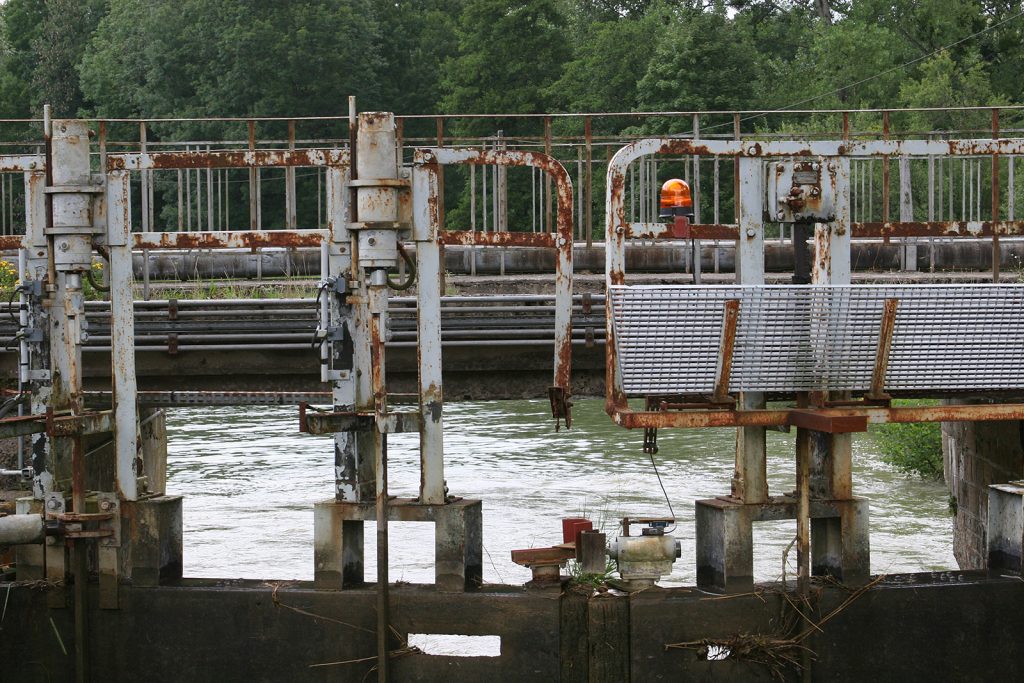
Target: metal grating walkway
{"points": [[819, 338]]}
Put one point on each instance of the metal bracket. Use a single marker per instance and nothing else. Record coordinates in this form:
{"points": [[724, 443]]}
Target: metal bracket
{"points": [[33, 335], [108, 503]]}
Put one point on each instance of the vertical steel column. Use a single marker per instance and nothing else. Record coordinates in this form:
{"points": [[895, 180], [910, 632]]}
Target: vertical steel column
{"points": [[996, 250], [426, 223], [696, 201], [908, 251], [750, 480], [832, 455], [144, 180], [71, 230], [289, 183], [122, 335], [377, 208], [39, 376], [588, 201], [548, 222]]}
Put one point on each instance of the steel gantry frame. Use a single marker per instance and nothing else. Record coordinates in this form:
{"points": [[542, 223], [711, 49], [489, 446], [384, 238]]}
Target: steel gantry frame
{"points": [[374, 203], [825, 418]]}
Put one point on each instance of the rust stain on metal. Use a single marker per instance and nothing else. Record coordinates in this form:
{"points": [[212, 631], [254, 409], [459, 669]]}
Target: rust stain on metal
{"points": [[938, 228], [502, 239], [840, 418], [227, 159], [248, 239]]}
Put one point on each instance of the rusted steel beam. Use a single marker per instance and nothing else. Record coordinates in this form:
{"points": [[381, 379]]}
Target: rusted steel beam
{"points": [[563, 241], [877, 391], [499, 239], [57, 425], [938, 229], [228, 159], [553, 555], [826, 422], [725, 350], [695, 419], [682, 230], [21, 162], [242, 239]]}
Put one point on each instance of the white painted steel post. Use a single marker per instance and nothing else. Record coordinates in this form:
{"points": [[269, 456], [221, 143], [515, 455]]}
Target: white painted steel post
{"points": [[908, 253], [750, 481], [426, 223], [832, 455], [122, 335]]}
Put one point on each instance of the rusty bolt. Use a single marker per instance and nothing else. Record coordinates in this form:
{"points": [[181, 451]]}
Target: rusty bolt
{"points": [[752, 150], [751, 232], [106, 505]]}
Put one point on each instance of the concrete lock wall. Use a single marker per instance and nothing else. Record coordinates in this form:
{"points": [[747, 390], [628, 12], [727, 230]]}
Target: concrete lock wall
{"points": [[958, 626], [977, 454]]}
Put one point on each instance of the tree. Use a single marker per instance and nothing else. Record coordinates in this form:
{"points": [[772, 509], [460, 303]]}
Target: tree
{"points": [[20, 23], [510, 53], [58, 49], [700, 62], [232, 57], [944, 84], [417, 39]]}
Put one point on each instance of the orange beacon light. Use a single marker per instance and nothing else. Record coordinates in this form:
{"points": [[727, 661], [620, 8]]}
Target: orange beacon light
{"points": [[676, 199]]}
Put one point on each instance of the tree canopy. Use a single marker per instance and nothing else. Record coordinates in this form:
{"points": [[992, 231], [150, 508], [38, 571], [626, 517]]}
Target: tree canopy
{"points": [[155, 58]]}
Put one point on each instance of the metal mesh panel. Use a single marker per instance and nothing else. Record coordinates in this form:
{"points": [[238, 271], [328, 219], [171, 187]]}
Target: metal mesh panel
{"points": [[804, 338]]}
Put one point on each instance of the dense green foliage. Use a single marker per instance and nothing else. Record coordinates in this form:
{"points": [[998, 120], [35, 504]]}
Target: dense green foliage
{"points": [[913, 448], [304, 57]]}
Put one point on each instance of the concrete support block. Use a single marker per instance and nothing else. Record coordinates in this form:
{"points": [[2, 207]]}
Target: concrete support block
{"points": [[725, 546], [841, 545], [840, 540], [1006, 526], [458, 546], [337, 547], [151, 534]]}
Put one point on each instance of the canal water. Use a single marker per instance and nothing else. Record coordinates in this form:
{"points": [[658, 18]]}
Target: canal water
{"points": [[250, 481]]}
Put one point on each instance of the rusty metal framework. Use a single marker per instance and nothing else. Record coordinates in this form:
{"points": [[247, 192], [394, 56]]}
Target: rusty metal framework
{"points": [[380, 213], [712, 356], [831, 264]]}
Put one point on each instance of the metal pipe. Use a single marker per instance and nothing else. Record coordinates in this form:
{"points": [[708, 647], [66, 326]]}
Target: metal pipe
{"points": [[20, 529]]}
